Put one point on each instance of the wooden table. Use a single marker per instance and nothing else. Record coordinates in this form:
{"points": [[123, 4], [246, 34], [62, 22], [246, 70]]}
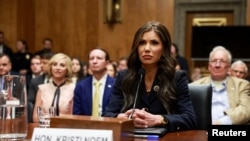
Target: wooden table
{"points": [[189, 135]]}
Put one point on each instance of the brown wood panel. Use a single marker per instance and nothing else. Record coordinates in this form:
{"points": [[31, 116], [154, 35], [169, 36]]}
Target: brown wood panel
{"points": [[77, 26], [117, 38], [25, 23], [48, 16], [8, 21], [248, 13], [188, 40]]}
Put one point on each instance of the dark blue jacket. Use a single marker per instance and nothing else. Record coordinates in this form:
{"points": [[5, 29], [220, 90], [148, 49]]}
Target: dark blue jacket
{"points": [[83, 95], [184, 117]]}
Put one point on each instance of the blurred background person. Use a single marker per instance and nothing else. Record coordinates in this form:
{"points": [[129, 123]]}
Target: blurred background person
{"points": [[181, 61], [122, 64], [60, 91], [77, 69], [47, 45], [85, 69], [6, 66], [3, 47], [21, 58], [111, 69], [239, 69], [34, 82], [35, 69], [196, 74]]}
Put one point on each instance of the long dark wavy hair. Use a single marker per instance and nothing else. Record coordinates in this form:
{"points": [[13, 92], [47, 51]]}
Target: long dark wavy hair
{"points": [[165, 73]]}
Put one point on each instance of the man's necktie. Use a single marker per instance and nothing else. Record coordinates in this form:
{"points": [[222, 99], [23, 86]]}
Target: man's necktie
{"points": [[96, 100]]}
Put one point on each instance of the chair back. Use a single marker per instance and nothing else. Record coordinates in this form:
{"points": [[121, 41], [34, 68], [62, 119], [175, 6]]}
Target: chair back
{"points": [[201, 97]]}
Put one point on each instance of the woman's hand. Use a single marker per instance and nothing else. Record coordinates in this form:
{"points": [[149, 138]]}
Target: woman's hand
{"points": [[125, 115], [143, 119]]}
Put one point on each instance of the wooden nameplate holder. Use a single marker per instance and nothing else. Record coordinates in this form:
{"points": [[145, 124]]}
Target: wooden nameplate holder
{"points": [[121, 127]]}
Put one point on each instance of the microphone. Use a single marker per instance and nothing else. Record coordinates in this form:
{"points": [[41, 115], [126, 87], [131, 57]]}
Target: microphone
{"points": [[141, 72]]}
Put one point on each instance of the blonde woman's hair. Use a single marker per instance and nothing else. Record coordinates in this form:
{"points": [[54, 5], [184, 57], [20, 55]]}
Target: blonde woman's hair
{"points": [[57, 57]]}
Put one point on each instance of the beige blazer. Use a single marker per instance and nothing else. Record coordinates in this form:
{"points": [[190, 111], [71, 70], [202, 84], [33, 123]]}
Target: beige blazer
{"points": [[238, 91]]}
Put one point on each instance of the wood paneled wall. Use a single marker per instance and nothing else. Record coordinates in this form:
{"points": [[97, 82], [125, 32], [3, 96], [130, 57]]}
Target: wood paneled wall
{"points": [[77, 26]]}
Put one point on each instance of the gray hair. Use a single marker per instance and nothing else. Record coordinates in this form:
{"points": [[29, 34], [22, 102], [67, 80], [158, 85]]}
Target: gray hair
{"points": [[216, 48], [240, 62]]}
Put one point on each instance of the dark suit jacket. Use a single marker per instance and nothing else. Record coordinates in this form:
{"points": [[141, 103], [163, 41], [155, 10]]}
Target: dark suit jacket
{"points": [[83, 95], [183, 118], [33, 87], [7, 50]]}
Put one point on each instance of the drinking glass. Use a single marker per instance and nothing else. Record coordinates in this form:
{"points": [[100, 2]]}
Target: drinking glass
{"points": [[44, 116], [13, 110]]}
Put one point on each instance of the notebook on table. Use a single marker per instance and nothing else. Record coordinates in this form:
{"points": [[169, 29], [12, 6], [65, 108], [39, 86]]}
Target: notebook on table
{"points": [[150, 131]]}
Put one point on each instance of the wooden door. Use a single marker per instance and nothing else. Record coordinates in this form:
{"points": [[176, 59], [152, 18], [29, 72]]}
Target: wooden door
{"points": [[223, 18]]}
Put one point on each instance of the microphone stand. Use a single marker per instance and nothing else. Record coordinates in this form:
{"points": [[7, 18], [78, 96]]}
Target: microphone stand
{"points": [[136, 95]]}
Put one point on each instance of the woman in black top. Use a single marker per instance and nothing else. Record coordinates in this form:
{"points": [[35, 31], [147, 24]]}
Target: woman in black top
{"points": [[163, 99]]}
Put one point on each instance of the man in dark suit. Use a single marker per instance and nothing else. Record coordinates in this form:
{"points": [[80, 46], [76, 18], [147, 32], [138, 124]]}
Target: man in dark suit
{"points": [[5, 69], [35, 69], [182, 62], [34, 82], [85, 90], [3, 47], [47, 45], [6, 65]]}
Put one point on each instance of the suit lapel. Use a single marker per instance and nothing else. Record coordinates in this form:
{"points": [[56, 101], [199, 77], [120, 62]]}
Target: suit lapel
{"points": [[230, 92], [107, 90]]}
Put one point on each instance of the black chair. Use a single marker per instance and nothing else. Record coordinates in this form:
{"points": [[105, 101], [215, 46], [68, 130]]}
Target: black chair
{"points": [[201, 97]]}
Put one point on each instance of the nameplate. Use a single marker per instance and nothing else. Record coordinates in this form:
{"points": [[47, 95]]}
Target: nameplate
{"points": [[65, 134], [12, 102]]}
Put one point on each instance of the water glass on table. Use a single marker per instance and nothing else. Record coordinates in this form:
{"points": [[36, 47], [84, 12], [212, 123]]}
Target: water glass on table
{"points": [[44, 116], [13, 111]]}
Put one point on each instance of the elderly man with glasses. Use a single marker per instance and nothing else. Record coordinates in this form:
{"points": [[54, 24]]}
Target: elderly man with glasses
{"points": [[239, 69], [231, 95]]}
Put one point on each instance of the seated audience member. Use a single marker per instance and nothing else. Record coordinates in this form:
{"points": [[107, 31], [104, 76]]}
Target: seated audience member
{"points": [[34, 82], [5, 69], [77, 70], [90, 99], [35, 69], [21, 58], [163, 98], [181, 61], [85, 69], [231, 95], [122, 64], [47, 45], [196, 74], [58, 93], [111, 70], [3, 47], [6, 66], [239, 69], [177, 67]]}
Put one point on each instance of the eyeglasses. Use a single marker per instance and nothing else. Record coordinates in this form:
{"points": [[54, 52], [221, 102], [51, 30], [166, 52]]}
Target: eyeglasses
{"points": [[220, 62], [237, 71]]}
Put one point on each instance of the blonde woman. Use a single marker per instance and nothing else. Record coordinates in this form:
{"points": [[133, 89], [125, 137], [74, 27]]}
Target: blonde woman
{"points": [[58, 93]]}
